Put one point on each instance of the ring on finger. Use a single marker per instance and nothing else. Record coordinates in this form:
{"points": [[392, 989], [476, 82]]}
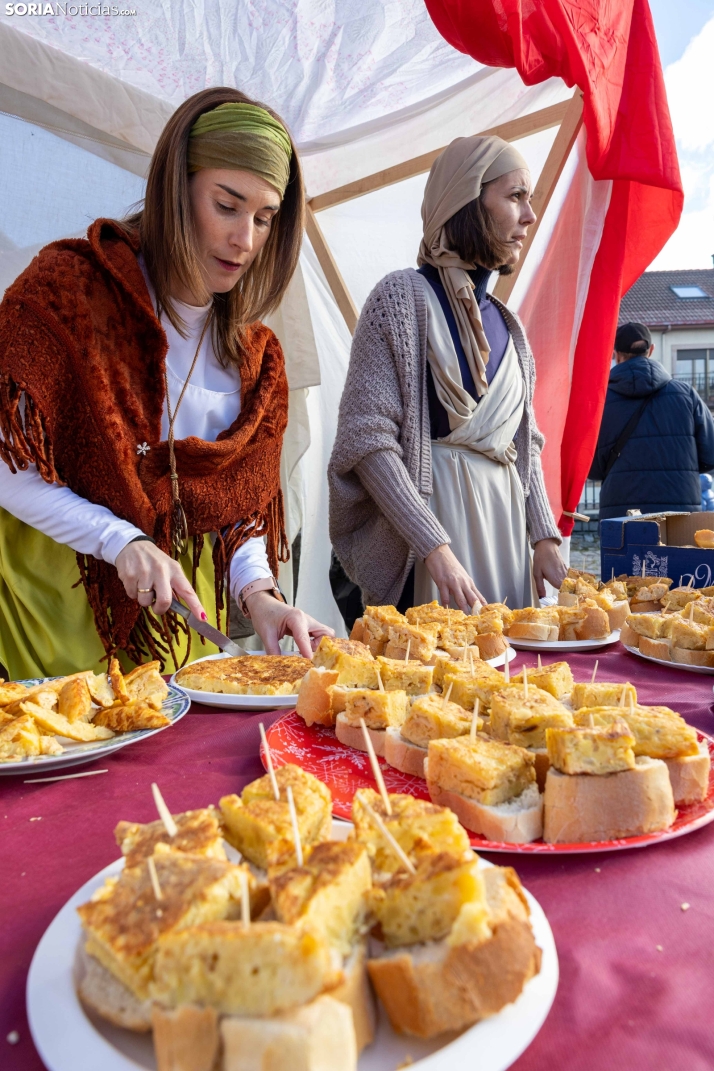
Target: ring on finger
{"points": [[143, 591]]}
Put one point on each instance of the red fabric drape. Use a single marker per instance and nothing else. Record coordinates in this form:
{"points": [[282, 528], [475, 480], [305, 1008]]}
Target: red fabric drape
{"points": [[608, 49]]}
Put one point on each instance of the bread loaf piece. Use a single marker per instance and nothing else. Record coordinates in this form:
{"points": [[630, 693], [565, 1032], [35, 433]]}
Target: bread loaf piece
{"points": [[586, 808], [185, 1038], [403, 754], [318, 1036], [689, 776], [352, 735], [519, 820]]}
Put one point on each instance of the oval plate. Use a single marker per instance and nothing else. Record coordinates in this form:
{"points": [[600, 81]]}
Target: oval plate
{"points": [[708, 670], [344, 770], [174, 707], [565, 645], [67, 1039]]}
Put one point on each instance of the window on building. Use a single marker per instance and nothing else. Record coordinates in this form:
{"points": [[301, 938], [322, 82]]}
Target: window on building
{"points": [[696, 367], [689, 292]]}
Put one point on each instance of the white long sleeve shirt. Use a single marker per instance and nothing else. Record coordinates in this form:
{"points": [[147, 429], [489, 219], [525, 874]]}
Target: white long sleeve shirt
{"points": [[211, 404]]}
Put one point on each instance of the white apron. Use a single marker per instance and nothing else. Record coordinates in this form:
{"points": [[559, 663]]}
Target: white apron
{"points": [[478, 496]]}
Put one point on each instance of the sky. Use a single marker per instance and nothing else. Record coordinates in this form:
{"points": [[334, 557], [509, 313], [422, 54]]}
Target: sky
{"points": [[685, 34]]}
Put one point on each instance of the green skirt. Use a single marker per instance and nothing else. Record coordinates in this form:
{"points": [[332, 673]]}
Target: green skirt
{"points": [[46, 624]]}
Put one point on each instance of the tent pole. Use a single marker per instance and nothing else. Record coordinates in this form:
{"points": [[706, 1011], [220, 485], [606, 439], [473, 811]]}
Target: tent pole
{"points": [[332, 273], [547, 181], [533, 123]]}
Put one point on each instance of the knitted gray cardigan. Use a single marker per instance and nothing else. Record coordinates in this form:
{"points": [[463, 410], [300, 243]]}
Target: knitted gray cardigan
{"points": [[380, 471]]}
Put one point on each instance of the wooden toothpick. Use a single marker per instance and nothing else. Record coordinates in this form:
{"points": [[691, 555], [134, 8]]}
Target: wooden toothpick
{"points": [[463, 656], [613, 574], [448, 692], [474, 720], [393, 844], [597, 663], [376, 771], [691, 581], [164, 813], [409, 646], [244, 900], [691, 611], [379, 680], [505, 601], [591, 721], [269, 761], [471, 659], [154, 878], [540, 664], [296, 828], [643, 569], [623, 694]]}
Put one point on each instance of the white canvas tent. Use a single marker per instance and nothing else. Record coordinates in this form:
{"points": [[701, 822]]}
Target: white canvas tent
{"points": [[371, 93]]}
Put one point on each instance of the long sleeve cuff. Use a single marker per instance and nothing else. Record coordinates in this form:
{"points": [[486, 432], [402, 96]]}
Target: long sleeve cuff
{"points": [[249, 563], [387, 481], [539, 515]]}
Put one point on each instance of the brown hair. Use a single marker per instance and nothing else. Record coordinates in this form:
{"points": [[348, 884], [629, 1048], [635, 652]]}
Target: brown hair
{"points": [[167, 237], [472, 234]]}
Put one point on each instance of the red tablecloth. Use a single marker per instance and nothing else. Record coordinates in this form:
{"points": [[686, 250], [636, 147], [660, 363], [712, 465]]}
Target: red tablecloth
{"points": [[622, 1003]]}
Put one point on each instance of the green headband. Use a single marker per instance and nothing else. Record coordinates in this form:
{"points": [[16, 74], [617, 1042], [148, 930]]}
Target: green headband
{"points": [[242, 137]]}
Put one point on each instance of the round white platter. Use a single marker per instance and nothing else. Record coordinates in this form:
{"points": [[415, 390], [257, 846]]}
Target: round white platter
{"points": [[175, 705], [229, 701], [68, 1039], [565, 646], [708, 670]]}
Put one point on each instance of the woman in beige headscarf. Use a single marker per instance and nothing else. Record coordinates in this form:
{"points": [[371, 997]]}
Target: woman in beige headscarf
{"points": [[436, 487]]}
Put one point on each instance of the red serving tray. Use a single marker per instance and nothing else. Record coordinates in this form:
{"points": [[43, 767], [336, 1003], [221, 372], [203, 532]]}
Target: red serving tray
{"points": [[344, 769]]}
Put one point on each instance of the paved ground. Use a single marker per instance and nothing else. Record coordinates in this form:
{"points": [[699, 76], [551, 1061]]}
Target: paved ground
{"points": [[585, 552]]}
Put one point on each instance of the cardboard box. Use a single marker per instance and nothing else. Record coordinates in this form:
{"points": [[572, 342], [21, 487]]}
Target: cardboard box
{"points": [[663, 541]]}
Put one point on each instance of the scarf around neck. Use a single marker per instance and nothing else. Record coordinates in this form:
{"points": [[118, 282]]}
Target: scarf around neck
{"points": [[457, 177], [80, 341]]}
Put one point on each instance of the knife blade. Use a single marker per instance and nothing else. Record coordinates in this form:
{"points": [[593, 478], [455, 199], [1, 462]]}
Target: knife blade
{"points": [[225, 643]]}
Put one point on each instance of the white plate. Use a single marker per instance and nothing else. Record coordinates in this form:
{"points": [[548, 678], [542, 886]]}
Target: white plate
{"points": [[565, 645], [669, 665], [175, 705], [67, 1039], [226, 701], [500, 660]]}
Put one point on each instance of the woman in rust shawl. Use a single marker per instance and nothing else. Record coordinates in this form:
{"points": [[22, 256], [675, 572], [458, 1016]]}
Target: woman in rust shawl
{"points": [[143, 405]]}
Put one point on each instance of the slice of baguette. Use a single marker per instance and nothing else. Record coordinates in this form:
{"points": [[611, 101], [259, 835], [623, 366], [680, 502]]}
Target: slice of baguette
{"points": [[491, 644], [356, 992], [655, 648], [687, 657], [352, 735], [542, 765], [185, 1038], [689, 776], [645, 607], [629, 637], [314, 704], [402, 754], [617, 614], [517, 821], [102, 993], [434, 987], [314, 1037], [530, 630], [589, 807]]}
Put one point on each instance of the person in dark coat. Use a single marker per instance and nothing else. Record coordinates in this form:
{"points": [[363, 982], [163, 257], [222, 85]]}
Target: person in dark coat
{"points": [[673, 441]]}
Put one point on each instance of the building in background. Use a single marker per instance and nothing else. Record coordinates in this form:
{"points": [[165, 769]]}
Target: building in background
{"points": [[678, 308]]}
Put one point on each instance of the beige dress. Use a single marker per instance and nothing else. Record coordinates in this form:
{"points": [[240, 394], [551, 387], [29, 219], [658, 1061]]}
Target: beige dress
{"points": [[478, 496]]}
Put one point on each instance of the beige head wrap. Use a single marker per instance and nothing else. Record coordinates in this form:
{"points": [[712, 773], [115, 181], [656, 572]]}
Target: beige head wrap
{"points": [[456, 178]]}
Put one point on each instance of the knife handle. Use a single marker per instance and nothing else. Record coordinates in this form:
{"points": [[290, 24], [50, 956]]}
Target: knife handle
{"points": [[179, 608]]}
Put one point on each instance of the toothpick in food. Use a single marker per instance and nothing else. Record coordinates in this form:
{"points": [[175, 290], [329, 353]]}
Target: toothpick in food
{"points": [[540, 664], [406, 653], [391, 841], [379, 680], [448, 692], [245, 897], [474, 720], [296, 828], [623, 694], [164, 813], [377, 773], [597, 663], [643, 569], [154, 878], [471, 658], [269, 760]]}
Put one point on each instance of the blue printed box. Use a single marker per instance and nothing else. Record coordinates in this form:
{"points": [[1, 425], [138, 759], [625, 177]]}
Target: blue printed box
{"points": [[663, 541]]}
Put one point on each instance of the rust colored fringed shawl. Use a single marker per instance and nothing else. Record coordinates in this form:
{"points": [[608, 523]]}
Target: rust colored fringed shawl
{"points": [[80, 340]]}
